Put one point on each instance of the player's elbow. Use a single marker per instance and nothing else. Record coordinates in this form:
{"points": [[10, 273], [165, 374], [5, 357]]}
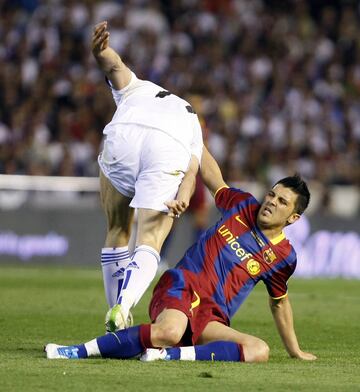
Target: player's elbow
{"points": [[276, 304]]}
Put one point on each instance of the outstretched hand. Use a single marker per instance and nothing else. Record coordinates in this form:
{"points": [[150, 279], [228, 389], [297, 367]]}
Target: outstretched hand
{"points": [[100, 38], [176, 207]]}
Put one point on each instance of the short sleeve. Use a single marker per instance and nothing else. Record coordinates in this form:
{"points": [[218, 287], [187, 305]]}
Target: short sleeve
{"points": [[276, 283], [118, 94], [227, 198]]}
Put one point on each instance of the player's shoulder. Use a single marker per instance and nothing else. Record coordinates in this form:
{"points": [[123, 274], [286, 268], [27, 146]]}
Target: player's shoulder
{"points": [[284, 247], [227, 192], [227, 189]]}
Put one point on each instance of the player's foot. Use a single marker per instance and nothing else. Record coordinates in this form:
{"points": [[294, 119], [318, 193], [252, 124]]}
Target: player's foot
{"points": [[154, 354], [116, 319], [55, 351]]}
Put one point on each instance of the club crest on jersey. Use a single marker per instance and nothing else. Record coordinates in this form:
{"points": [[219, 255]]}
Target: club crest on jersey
{"points": [[269, 256], [253, 267]]}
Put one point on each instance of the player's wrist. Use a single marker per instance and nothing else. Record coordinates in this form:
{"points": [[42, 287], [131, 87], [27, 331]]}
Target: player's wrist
{"points": [[295, 353]]}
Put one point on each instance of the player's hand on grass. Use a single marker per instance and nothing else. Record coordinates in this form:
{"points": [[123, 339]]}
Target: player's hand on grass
{"points": [[305, 356], [176, 207], [100, 38]]}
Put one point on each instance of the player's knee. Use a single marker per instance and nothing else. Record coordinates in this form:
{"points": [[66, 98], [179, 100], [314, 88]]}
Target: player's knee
{"points": [[167, 335], [256, 351], [262, 351]]}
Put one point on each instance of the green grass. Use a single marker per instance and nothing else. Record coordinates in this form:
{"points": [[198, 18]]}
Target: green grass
{"points": [[66, 305]]}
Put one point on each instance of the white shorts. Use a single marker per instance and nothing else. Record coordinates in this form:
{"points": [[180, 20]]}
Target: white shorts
{"points": [[145, 164]]}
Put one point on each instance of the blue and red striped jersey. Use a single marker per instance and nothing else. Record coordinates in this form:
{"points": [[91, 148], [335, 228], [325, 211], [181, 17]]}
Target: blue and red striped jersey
{"points": [[231, 257]]}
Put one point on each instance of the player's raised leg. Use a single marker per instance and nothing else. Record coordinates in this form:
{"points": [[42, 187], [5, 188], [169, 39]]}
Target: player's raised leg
{"points": [[153, 228]]}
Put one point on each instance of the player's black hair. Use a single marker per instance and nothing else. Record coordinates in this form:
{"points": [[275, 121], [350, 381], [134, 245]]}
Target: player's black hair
{"points": [[297, 185]]}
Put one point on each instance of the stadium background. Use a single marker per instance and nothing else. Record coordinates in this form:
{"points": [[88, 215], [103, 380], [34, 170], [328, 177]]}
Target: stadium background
{"points": [[276, 85]]}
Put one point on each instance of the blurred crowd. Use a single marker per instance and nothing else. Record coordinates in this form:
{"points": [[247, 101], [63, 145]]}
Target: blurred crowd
{"points": [[276, 83]]}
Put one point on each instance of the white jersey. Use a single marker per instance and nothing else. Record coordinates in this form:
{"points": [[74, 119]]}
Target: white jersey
{"points": [[145, 103]]}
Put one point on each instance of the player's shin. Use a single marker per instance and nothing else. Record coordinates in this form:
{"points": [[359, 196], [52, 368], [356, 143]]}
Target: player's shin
{"points": [[113, 263], [138, 276], [215, 351], [123, 344]]}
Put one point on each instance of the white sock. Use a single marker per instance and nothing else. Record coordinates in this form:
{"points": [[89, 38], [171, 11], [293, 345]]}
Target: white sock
{"points": [[113, 263], [187, 353], [138, 275], [92, 348]]}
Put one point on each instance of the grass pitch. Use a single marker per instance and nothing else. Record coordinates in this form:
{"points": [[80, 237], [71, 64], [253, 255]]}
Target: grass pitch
{"points": [[66, 305]]}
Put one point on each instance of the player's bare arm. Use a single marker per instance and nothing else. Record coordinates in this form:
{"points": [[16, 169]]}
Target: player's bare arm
{"points": [[210, 172], [186, 189], [109, 61], [283, 316]]}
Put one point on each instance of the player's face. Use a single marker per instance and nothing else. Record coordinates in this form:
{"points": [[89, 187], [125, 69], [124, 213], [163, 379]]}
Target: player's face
{"points": [[278, 208]]}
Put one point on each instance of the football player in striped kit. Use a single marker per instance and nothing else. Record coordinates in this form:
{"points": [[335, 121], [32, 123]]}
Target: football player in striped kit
{"points": [[193, 303]]}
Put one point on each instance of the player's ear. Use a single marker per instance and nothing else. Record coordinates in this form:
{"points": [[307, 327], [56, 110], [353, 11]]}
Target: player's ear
{"points": [[293, 218]]}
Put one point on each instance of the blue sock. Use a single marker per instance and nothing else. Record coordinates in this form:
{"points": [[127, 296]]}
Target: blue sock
{"points": [[215, 351], [218, 351], [122, 344], [173, 354]]}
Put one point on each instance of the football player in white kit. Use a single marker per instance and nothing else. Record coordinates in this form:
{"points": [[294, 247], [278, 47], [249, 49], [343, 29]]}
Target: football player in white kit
{"points": [[150, 158]]}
